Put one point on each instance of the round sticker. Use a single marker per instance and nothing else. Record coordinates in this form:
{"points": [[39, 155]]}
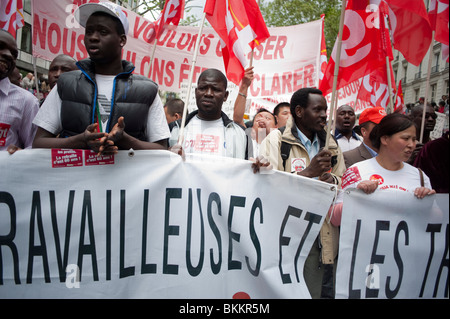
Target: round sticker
{"points": [[298, 164], [376, 177]]}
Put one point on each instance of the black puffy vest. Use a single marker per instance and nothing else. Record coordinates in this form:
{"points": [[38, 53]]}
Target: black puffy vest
{"points": [[133, 95]]}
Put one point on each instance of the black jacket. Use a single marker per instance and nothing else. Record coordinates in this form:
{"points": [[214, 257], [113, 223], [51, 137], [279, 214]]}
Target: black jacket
{"points": [[132, 97]]}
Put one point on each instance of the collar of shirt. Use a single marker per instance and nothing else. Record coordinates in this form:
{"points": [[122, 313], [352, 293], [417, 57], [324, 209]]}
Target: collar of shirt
{"points": [[371, 151], [4, 86], [311, 148], [338, 134]]}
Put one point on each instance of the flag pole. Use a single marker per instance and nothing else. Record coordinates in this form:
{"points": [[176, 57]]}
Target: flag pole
{"points": [[36, 79], [151, 58], [253, 50], [427, 88], [191, 76], [388, 70], [336, 71], [396, 91]]}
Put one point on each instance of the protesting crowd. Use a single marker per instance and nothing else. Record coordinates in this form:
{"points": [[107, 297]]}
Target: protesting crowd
{"points": [[99, 104]]}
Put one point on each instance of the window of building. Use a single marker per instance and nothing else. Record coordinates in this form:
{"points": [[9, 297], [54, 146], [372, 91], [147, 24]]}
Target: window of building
{"points": [[435, 68], [27, 6], [416, 94], [25, 44], [433, 89], [418, 75]]}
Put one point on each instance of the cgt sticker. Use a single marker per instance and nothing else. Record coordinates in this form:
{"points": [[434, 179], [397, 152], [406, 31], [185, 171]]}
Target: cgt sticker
{"points": [[67, 158], [91, 158], [4, 129], [75, 158], [298, 164]]}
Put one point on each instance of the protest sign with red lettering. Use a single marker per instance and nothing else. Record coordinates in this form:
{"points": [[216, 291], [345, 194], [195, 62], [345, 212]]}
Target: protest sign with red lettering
{"points": [[287, 61]]}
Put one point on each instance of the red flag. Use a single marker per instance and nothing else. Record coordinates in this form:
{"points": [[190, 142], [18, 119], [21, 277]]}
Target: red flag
{"points": [[362, 46], [11, 15], [323, 51], [438, 15], [374, 87], [172, 13], [411, 30], [241, 27], [400, 106]]}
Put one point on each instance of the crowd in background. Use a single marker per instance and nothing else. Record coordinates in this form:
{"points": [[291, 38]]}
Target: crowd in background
{"points": [[100, 104]]}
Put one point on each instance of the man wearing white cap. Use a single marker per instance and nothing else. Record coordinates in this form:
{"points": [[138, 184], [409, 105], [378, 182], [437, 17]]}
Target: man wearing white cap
{"points": [[103, 106]]}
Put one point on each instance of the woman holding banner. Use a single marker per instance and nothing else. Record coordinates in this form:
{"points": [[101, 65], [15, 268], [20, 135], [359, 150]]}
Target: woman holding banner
{"points": [[395, 137]]}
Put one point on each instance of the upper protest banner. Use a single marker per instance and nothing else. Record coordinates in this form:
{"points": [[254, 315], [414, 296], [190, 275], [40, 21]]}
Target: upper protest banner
{"points": [[393, 245], [147, 224], [287, 61]]}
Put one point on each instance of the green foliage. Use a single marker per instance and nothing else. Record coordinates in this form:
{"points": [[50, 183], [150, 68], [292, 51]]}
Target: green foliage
{"points": [[278, 13]]}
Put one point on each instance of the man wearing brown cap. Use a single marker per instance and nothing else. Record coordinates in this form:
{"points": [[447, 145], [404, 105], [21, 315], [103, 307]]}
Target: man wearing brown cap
{"points": [[367, 120]]}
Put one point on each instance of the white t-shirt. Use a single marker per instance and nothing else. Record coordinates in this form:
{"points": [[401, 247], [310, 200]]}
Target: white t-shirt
{"points": [[49, 115], [105, 86], [205, 137], [406, 179]]}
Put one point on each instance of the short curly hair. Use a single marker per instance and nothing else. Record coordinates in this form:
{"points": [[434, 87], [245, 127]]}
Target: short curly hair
{"points": [[300, 98]]}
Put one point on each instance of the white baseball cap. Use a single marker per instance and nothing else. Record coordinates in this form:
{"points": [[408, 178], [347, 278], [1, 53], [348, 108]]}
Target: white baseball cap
{"points": [[83, 12]]}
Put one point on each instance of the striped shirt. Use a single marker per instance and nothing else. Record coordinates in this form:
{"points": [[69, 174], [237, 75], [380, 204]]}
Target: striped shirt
{"points": [[18, 108]]}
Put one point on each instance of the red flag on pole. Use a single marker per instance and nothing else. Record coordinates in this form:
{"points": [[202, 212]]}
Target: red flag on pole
{"points": [[362, 47], [411, 30], [172, 13], [11, 15], [438, 15], [400, 106], [323, 51], [241, 27], [375, 87]]}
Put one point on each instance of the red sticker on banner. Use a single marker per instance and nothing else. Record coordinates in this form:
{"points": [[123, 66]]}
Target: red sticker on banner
{"points": [[67, 158], [91, 158], [4, 129], [241, 295]]}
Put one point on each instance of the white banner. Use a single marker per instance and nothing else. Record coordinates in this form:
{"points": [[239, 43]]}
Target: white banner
{"points": [[287, 61], [393, 245], [152, 226]]}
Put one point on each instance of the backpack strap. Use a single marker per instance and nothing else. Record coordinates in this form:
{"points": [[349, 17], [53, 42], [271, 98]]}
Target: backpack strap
{"points": [[285, 149], [422, 183]]}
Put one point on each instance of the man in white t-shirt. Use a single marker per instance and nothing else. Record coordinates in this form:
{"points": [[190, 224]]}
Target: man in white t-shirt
{"points": [[208, 130], [103, 106]]}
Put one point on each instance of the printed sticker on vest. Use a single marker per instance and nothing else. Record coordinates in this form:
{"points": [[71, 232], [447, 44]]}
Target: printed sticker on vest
{"points": [[207, 143], [67, 158], [298, 164], [91, 158], [351, 176], [4, 129]]}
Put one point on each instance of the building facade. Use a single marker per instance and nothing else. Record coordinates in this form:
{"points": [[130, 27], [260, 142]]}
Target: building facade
{"points": [[24, 42], [414, 78]]}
